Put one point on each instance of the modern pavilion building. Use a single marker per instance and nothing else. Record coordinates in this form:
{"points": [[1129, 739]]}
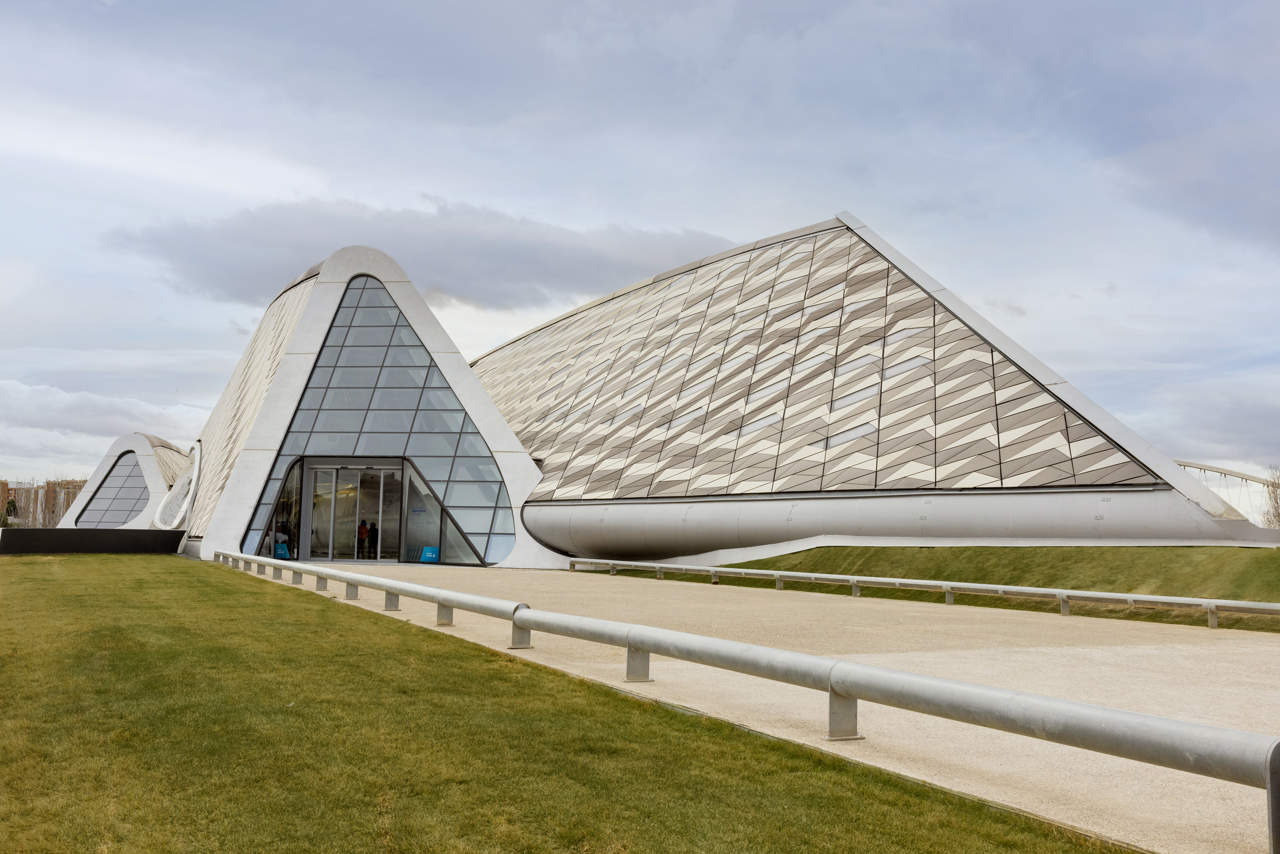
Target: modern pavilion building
{"points": [[811, 388]]}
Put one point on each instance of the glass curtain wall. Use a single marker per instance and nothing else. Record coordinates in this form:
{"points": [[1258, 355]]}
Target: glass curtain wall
{"points": [[283, 529], [376, 391]]}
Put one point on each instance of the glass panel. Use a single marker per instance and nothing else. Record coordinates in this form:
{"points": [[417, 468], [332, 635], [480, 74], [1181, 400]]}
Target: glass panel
{"points": [[421, 520], [438, 422], [471, 494], [504, 522], [321, 513], [376, 296], [369, 507], [389, 545], [381, 444], [361, 356], [435, 379], [471, 445], [282, 534], [500, 545], [432, 444], [332, 443], [408, 356], [340, 421], [345, 520], [473, 520], [343, 317], [433, 468], [354, 377], [347, 398], [368, 336], [439, 398], [454, 547], [328, 357], [391, 421], [375, 317], [475, 468], [395, 398], [304, 420], [402, 377], [404, 335]]}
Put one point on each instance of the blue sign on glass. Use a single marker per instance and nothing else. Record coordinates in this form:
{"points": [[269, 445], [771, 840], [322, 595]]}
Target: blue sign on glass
{"points": [[282, 551], [430, 554]]}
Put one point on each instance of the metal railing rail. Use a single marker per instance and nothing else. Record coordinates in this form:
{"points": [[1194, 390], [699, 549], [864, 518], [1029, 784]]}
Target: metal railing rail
{"points": [[1064, 596], [1251, 759]]}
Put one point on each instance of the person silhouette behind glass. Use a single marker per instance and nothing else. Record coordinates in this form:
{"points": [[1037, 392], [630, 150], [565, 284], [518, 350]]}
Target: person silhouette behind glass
{"points": [[362, 539], [373, 540]]}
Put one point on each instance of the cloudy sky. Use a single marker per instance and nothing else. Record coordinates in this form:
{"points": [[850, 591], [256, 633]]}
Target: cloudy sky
{"points": [[1100, 179]]}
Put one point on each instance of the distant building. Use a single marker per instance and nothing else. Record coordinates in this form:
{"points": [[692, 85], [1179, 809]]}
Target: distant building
{"points": [[811, 388]]}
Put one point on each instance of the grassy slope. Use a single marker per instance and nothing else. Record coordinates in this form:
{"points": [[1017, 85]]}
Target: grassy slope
{"points": [[152, 703], [1221, 573]]}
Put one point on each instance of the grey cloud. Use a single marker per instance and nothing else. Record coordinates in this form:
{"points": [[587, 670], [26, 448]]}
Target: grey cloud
{"points": [[1232, 416], [48, 408], [1172, 97], [465, 252]]}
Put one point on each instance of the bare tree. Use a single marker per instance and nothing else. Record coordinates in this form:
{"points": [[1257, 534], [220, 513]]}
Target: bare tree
{"points": [[1271, 515]]}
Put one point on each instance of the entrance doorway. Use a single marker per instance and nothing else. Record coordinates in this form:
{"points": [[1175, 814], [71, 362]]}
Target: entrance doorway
{"points": [[353, 512]]}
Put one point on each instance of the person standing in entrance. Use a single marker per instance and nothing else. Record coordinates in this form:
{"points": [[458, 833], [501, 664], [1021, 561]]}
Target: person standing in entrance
{"points": [[362, 539], [373, 541]]}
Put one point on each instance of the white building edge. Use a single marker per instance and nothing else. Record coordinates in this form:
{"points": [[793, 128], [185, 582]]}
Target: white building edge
{"points": [[811, 388]]}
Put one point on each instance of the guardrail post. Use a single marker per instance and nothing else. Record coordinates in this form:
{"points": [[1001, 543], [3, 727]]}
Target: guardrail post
{"points": [[444, 615], [1212, 613], [950, 597], [854, 589], [322, 583], [1064, 606], [637, 665], [353, 591], [520, 638], [715, 578], [296, 578], [277, 573], [1273, 798], [262, 568], [842, 718], [658, 574], [613, 570], [391, 601], [777, 582]]}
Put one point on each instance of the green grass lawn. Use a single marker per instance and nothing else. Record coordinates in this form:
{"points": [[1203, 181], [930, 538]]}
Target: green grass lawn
{"points": [[151, 703], [1209, 572]]}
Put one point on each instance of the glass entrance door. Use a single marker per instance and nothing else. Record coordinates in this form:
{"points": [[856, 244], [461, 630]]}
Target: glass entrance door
{"points": [[355, 513]]}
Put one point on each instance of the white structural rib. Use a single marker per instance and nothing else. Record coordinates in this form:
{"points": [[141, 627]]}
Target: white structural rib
{"points": [[1135, 445]]}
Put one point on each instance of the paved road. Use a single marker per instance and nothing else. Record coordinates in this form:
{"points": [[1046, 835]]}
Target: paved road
{"points": [[1224, 677]]}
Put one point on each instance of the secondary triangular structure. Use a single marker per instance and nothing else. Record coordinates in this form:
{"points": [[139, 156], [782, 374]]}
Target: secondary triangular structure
{"points": [[353, 430]]}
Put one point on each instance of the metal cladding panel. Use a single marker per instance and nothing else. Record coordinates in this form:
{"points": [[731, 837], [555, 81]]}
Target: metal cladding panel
{"points": [[806, 364], [232, 418]]}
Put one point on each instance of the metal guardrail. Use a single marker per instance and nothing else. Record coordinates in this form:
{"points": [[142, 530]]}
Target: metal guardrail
{"points": [[1251, 759], [1064, 596]]}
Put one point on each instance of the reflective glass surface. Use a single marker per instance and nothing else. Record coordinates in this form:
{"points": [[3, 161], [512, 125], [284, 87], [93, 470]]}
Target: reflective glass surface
{"points": [[377, 392]]}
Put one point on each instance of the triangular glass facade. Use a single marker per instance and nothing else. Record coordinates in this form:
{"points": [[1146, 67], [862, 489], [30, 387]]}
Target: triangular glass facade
{"points": [[122, 495], [376, 392]]}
